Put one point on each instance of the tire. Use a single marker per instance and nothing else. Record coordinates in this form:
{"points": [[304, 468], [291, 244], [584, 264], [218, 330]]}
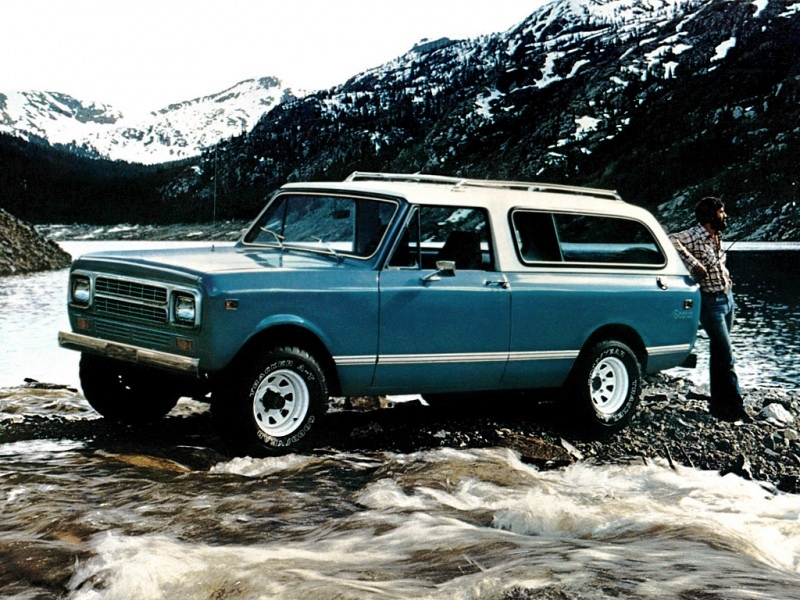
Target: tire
{"points": [[273, 404], [605, 387], [126, 393]]}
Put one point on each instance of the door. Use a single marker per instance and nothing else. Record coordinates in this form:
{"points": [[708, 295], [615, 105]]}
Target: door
{"points": [[443, 329]]}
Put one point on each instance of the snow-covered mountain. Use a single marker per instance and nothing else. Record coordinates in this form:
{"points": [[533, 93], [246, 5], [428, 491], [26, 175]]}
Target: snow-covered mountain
{"points": [[663, 100], [172, 133]]}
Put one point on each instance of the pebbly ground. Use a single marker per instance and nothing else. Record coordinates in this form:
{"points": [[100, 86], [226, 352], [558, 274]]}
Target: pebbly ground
{"points": [[672, 423]]}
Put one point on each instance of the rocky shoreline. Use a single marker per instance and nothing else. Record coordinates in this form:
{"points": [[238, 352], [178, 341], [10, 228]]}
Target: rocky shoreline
{"points": [[24, 250], [672, 426], [178, 232]]}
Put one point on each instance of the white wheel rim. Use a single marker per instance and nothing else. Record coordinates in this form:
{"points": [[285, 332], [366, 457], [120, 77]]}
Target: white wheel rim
{"points": [[281, 403], [609, 385]]}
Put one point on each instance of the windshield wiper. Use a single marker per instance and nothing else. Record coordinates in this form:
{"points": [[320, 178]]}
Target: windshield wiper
{"points": [[328, 250], [278, 237], [327, 247]]}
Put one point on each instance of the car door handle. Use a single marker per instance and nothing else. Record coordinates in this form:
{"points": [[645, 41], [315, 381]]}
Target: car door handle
{"points": [[503, 283], [661, 285]]}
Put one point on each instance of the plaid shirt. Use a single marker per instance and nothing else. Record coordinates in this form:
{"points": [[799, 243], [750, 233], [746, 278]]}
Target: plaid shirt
{"points": [[698, 247]]}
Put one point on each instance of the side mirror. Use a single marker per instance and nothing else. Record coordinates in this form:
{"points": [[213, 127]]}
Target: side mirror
{"points": [[444, 268]]}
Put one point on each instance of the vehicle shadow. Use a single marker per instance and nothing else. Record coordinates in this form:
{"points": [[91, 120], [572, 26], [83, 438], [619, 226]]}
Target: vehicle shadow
{"points": [[189, 437]]}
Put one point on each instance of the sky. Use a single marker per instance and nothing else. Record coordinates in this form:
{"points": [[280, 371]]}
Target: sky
{"points": [[141, 55]]}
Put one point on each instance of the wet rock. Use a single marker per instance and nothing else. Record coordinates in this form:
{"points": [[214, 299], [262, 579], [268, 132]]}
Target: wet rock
{"points": [[534, 449], [788, 483], [740, 466], [571, 450], [23, 250], [791, 435], [39, 385], [776, 414], [143, 461]]}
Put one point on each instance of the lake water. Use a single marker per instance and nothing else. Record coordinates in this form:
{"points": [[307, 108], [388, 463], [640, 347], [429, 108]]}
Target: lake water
{"points": [[766, 334], [90, 516]]}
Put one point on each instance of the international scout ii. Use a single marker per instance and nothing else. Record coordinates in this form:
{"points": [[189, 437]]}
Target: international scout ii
{"points": [[388, 284]]}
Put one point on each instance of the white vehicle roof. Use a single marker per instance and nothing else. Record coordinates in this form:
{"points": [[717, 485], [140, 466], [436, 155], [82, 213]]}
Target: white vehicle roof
{"points": [[441, 190], [498, 198]]}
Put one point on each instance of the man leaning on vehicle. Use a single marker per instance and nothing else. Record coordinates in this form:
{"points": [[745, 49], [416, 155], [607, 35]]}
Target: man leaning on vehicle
{"points": [[700, 248]]}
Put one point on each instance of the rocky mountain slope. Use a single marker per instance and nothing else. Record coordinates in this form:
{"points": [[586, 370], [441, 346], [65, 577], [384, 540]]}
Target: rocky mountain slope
{"points": [[663, 100], [172, 133]]}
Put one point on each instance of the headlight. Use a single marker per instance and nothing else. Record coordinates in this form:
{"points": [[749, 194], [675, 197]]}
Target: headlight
{"points": [[80, 290], [184, 309]]}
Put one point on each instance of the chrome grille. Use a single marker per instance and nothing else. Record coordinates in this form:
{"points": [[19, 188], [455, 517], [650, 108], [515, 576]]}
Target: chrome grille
{"points": [[130, 311], [130, 289]]}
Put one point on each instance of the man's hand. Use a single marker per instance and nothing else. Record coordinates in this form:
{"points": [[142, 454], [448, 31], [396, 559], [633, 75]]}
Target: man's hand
{"points": [[699, 272]]}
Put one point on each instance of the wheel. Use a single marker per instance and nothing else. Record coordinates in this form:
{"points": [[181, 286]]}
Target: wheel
{"points": [[605, 387], [124, 392], [273, 404]]}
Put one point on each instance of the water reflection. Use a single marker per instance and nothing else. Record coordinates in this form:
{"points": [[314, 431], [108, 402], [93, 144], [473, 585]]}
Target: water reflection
{"points": [[766, 335]]}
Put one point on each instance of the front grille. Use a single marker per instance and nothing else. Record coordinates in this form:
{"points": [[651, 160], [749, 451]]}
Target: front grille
{"points": [[131, 289], [131, 312], [131, 301]]}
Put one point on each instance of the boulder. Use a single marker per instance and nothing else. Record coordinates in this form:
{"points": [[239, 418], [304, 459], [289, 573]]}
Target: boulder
{"points": [[23, 250]]}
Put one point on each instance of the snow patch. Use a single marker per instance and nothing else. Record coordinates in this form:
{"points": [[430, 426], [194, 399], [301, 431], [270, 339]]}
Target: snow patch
{"points": [[760, 6], [791, 10], [586, 125], [483, 103], [722, 50], [548, 75]]}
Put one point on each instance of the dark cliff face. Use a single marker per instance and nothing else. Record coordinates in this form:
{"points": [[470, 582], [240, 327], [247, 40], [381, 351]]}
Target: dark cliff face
{"points": [[23, 250]]}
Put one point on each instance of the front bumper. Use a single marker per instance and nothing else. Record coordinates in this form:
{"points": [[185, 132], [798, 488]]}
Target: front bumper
{"points": [[133, 354]]}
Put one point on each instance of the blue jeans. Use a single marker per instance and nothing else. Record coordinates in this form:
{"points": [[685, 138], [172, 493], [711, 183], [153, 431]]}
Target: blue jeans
{"points": [[716, 317]]}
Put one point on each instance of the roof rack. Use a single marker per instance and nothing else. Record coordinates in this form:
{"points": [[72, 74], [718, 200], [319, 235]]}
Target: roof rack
{"points": [[461, 182]]}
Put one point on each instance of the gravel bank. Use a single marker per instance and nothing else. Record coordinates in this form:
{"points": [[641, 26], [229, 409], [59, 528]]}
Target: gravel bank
{"points": [[672, 425], [24, 250]]}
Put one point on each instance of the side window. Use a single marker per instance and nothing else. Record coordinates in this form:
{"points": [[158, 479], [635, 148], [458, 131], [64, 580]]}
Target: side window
{"points": [[607, 240], [560, 238], [435, 233], [536, 237]]}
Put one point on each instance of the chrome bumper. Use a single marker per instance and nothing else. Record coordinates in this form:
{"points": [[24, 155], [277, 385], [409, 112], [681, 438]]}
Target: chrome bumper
{"points": [[128, 353]]}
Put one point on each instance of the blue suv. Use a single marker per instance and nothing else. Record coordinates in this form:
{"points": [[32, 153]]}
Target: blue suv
{"points": [[388, 284]]}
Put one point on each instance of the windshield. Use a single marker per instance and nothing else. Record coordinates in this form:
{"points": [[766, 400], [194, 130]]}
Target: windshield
{"points": [[324, 223]]}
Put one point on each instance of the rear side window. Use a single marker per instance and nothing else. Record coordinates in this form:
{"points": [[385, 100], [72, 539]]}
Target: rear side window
{"points": [[559, 238]]}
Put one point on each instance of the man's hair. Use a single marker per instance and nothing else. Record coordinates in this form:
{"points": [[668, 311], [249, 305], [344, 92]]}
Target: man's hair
{"points": [[707, 208]]}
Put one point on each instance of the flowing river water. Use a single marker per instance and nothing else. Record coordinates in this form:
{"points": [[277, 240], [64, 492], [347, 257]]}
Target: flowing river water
{"points": [[92, 513]]}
